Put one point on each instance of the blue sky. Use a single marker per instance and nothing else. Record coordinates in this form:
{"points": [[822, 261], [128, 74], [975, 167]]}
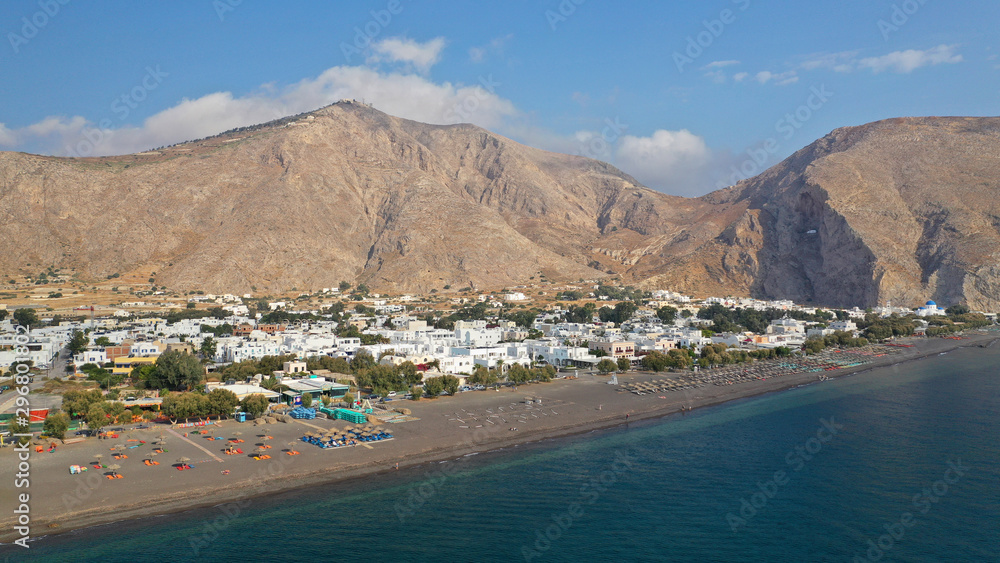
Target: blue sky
{"points": [[686, 96]]}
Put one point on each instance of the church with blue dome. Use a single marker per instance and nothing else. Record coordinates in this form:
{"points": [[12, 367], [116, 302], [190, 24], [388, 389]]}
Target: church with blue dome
{"points": [[929, 310]]}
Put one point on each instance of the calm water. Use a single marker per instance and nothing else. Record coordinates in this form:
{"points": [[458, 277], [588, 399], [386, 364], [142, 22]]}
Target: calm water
{"points": [[670, 490]]}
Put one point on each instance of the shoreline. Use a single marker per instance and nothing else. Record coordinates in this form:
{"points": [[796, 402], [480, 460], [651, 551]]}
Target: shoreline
{"points": [[288, 474]]}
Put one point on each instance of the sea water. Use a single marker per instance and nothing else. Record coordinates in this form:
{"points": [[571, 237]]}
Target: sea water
{"points": [[898, 464]]}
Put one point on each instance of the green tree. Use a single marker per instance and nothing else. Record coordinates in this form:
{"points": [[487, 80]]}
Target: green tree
{"points": [[141, 376], [518, 374], [78, 342], [222, 402], [255, 405], [580, 314], [655, 361], [606, 365], [362, 360], [624, 364], [77, 402], [208, 348], [667, 314], [344, 286], [433, 386], [115, 410], [450, 384], [97, 418], [26, 317], [416, 392], [20, 425], [177, 370], [307, 400], [484, 376], [523, 318], [956, 310], [56, 424], [103, 341], [411, 375], [621, 313]]}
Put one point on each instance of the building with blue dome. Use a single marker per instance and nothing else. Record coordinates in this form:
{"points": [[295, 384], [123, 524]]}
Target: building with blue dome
{"points": [[929, 310]]}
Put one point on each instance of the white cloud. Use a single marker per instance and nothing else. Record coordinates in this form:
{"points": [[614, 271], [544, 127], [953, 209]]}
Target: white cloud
{"points": [[7, 137], [421, 55], [841, 62], [720, 64], [675, 162], [405, 95], [781, 79], [717, 76], [54, 125], [740, 76], [496, 45], [907, 61]]}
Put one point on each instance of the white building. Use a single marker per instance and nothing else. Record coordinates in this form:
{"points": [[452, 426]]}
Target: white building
{"points": [[930, 309]]}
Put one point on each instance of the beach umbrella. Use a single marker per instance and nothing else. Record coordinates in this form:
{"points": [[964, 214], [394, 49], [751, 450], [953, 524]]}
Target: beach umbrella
{"points": [[183, 459], [114, 467], [259, 451], [98, 457], [237, 433]]}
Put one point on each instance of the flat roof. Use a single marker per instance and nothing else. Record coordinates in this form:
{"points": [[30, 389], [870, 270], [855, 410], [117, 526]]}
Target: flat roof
{"points": [[313, 385]]}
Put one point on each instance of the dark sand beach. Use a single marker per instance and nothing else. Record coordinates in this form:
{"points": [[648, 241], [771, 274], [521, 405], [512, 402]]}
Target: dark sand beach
{"points": [[448, 427]]}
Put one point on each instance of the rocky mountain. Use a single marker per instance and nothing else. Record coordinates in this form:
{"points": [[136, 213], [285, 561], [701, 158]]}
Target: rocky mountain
{"points": [[900, 209]]}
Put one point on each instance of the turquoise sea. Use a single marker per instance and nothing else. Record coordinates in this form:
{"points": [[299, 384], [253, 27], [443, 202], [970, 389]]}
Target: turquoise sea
{"points": [[898, 467]]}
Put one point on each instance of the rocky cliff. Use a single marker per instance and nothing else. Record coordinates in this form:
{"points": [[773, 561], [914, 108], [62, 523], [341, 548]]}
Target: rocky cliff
{"points": [[901, 210]]}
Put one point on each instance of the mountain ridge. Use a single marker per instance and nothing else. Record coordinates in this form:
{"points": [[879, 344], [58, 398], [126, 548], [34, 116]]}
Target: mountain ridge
{"points": [[901, 210]]}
